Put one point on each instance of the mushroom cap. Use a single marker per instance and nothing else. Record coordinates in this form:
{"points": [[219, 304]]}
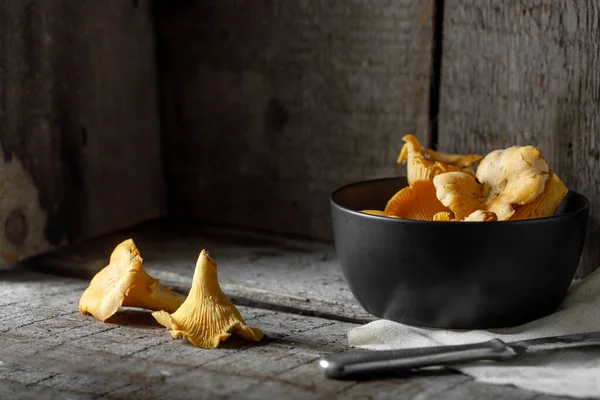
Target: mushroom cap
{"points": [[207, 316], [546, 203], [460, 192], [511, 177], [508, 179], [124, 282], [417, 201]]}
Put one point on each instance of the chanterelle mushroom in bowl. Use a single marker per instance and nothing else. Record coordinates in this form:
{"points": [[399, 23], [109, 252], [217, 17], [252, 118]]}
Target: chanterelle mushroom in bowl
{"points": [[457, 275]]}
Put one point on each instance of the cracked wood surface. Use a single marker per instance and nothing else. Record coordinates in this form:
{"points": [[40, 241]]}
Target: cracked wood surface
{"points": [[49, 350]]}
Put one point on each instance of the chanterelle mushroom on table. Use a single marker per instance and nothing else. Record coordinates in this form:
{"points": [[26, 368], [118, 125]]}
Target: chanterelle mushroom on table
{"points": [[207, 316], [124, 282]]}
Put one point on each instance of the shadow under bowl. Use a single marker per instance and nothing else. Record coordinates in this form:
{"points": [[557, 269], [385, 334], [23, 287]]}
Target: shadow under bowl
{"points": [[455, 275]]}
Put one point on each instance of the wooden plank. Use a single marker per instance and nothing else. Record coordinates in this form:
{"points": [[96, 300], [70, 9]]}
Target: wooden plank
{"points": [[51, 345], [79, 132], [257, 270], [52, 351], [271, 105], [516, 73]]}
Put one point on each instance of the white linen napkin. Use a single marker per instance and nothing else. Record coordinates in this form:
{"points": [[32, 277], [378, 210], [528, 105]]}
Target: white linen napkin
{"points": [[573, 372]]}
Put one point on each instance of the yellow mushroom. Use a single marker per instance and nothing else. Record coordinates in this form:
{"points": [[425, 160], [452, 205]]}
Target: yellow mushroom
{"points": [[443, 216], [207, 316], [378, 213], [124, 282], [416, 201], [481, 216], [460, 192], [425, 164], [462, 161], [512, 177], [546, 203]]}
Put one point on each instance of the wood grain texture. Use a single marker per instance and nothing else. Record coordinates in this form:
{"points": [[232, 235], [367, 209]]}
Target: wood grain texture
{"points": [[270, 105], [516, 73], [256, 270], [49, 350], [79, 130]]}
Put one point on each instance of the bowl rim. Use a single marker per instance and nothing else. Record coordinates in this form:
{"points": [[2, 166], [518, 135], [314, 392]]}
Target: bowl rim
{"points": [[585, 208]]}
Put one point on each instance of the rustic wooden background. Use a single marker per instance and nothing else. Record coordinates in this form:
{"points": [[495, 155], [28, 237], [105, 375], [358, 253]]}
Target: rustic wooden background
{"points": [[272, 104], [267, 106], [79, 129]]}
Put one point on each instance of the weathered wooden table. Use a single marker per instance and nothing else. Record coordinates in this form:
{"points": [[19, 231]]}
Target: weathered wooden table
{"points": [[292, 289]]}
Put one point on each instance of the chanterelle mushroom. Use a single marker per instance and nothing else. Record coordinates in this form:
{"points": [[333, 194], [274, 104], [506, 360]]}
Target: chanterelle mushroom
{"points": [[511, 177], [481, 216], [416, 201], [444, 216], [546, 203], [207, 316], [424, 164], [509, 180], [462, 161], [460, 192], [124, 282]]}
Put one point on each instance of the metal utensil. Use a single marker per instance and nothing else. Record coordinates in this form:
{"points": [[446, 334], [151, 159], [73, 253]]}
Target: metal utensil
{"points": [[363, 363]]}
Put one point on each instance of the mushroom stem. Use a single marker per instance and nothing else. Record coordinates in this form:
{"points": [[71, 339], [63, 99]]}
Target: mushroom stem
{"points": [[205, 277], [124, 282], [154, 296], [425, 164]]}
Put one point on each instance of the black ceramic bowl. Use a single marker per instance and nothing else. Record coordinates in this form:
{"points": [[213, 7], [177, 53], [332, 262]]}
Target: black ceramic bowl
{"points": [[455, 275]]}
